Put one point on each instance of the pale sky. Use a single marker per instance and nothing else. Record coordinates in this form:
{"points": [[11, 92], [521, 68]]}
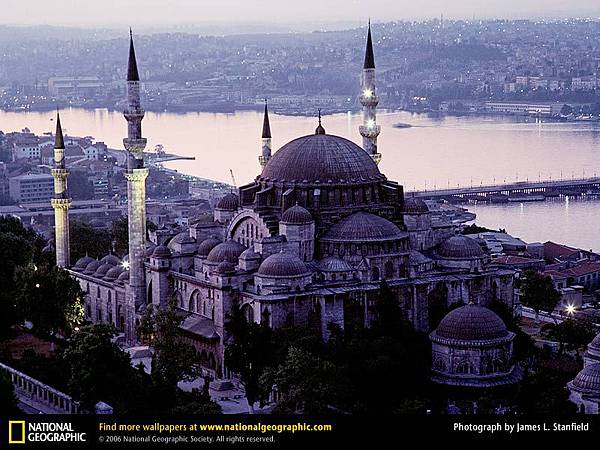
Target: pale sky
{"points": [[173, 12]]}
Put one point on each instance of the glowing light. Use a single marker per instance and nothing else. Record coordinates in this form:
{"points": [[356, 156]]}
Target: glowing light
{"points": [[570, 309], [367, 93], [37, 285], [125, 265], [370, 123]]}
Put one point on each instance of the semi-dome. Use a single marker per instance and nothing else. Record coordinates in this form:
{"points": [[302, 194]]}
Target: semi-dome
{"points": [[102, 270], [161, 251], [588, 379], [296, 215], [82, 263], [92, 267], [249, 254], [415, 258], [332, 264], [460, 247], [181, 238], [321, 158], [207, 245], [282, 265], [110, 259], [362, 227], [227, 251], [414, 205], [226, 267], [113, 273], [229, 202], [471, 323]]}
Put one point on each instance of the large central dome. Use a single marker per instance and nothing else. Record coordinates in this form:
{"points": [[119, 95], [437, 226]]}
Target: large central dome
{"points": [[321, 158]]}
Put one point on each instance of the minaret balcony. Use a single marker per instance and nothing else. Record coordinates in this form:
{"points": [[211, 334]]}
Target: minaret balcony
{"points": [[60, 173], [369, 131], [376, 157], [60, 203], [263, 160], [369, 100], [136, 146]]}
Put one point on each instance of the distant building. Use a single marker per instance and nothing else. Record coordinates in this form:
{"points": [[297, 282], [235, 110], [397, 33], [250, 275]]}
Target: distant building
{"points": [[74, 87], [26, 147], [31, 188]]}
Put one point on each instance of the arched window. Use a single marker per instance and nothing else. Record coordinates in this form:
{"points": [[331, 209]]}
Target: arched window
{"points": [[375, 273], [389, 270], [266, 318], [464, 367], [248, 313], [440, 365]]}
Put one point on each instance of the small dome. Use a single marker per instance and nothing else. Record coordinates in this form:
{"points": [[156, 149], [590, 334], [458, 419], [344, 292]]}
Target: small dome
{"points": [[363, 227], [113, 273], [102, 270], [226, 267], [92, 267], [161, 251], [230, 202], [249, 254], [282, 265], [297, 215], [332, 264], [150, 246], [460, 247], [227, 251], [110, 259], [595, 344], [414, 205], [82, 263], [181, 238], [124, 276], [471, 323], [588, 379], [207, 245]]}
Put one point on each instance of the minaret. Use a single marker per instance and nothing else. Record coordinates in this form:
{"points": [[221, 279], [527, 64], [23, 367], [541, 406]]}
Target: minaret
{"points": [[61, 201], [136, 175], [263, 159], [369, 130]]}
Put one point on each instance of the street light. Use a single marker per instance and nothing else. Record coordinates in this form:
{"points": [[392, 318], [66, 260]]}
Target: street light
{"points": [[570, 309]]}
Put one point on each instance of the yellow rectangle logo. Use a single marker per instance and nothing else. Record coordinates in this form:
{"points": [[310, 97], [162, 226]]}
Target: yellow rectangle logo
{"points": [[12, 425]]}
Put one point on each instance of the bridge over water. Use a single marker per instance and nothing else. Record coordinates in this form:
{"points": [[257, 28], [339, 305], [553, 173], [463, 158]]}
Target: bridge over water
{"points": [[517, 191]]}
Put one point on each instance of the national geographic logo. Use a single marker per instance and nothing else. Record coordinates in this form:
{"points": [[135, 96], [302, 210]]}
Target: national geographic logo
{"points": [[20, 432]]}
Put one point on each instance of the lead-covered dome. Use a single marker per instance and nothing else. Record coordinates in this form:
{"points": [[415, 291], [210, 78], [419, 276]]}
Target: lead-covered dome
{"points": [[207, 245], [321, 158], [161, 251], [296, 215], [282, 265], [414, 205], [228, 251], [588, 379], [460, 247], [229, 202], [362, 227], [82, 263], [333, 264], [471, 323], [113, 273], [110, 259], [92, 267]]}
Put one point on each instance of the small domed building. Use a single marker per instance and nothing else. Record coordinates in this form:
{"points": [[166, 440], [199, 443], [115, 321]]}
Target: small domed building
{"points": [[585, 389], [471, 347]]}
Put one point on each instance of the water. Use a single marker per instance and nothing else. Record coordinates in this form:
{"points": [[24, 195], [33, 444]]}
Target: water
{"points": [[433, 153]]}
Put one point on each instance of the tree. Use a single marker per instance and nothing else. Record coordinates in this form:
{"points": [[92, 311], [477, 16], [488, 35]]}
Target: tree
{"points": [[573, 334], [306, 382], [538, 293], [80, 187], [119, 232], [388, 318], [49, 298], [174, 359], [8, 398], [87, 240], [249, 352], [100, 371]]}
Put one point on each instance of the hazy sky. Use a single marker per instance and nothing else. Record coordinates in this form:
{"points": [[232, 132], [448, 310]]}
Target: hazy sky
{"points": [[171, 12]]}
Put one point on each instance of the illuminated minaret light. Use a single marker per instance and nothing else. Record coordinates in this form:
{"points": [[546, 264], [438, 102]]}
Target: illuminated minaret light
{"points": [[265, 155], [136, 175], [61, 201], [369, 130]]}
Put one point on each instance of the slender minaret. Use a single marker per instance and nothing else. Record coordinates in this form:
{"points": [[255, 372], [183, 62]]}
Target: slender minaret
{"points": [[369, 130], [61, 201], [136, 175], [263, 159]]}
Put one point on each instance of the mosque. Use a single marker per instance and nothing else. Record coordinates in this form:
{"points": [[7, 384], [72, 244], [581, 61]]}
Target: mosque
{"points": [[306, 243]]}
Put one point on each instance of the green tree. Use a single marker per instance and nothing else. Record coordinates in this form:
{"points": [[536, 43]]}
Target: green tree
{"points": [[87, 240], [544, 393], [572, 334], [196, 402], [538, 293], [101, 371], [80, 187], [8, 398], [248, 352], [49, 298], [306, 382], [174, 359], [119, 232]]}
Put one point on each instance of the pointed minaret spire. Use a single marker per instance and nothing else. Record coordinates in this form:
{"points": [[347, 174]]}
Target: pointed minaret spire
{"points": [[265, 155], [132, 70], [320, 129], [61, 201], [369, 130], [369, 57], [59, 141]]}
